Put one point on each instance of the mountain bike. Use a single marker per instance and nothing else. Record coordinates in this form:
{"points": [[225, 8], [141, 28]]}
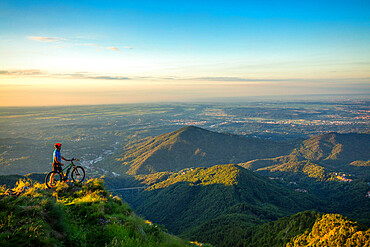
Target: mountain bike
{"points": [[77, 174]]}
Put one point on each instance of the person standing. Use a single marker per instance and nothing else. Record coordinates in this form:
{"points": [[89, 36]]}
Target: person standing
{"points": [[57, 158]]}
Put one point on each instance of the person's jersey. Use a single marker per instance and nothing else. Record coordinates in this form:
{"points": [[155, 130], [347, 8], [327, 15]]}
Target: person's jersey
{"points": [[57, 154]]}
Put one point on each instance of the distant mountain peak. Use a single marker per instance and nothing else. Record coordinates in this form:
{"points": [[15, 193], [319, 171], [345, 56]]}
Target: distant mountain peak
{"points": [[189, 129], [341, 148]]}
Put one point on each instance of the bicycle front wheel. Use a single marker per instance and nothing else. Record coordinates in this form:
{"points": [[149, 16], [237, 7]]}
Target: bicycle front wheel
{"points": [[52, 179], [78, 174]]}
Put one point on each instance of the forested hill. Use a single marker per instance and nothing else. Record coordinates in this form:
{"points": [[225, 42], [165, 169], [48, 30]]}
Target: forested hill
{"points": [[192, 197], [191, 146], [336, 149], [227, 205], [321, 157], [70, 215]]}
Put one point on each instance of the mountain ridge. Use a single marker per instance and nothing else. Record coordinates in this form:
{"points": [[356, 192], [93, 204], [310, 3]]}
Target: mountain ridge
{"points": [[335, 148], [321, 157], [191, 147]]}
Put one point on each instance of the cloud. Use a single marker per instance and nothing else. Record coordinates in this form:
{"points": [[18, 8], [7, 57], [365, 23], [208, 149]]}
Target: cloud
{"points": [[272, 80], [46, 39], [74, 42], [237, 79], [109, 77], [86, 75], [113, 48], [27, 72], [77, 75]]}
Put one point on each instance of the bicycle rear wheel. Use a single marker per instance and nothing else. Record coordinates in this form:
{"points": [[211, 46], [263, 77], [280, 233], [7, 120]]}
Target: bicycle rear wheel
{"points": [[78, 174], [52, 179]]}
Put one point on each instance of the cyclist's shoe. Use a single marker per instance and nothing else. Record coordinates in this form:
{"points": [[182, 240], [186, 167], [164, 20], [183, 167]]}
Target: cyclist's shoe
{"points": [[66, 180]]}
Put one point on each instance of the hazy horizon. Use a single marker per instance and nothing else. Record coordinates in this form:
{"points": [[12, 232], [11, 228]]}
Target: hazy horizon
{"points": [[223, 100]]}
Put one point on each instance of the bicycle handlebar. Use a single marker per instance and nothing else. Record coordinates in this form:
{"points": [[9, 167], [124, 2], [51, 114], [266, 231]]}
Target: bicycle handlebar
{"points": [[73, 159]]}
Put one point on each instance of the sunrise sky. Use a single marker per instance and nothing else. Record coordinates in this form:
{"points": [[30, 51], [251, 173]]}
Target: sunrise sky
{"points": [[108, 52]]}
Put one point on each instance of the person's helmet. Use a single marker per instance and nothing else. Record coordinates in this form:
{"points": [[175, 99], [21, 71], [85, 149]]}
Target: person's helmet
{"points": [[58, 145]]}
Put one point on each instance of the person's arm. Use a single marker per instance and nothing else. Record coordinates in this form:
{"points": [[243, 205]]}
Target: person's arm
{"points": [[64, 159]]}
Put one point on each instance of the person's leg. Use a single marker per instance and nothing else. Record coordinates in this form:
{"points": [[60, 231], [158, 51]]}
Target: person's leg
{"points": [[53, 174], [56, 168]]}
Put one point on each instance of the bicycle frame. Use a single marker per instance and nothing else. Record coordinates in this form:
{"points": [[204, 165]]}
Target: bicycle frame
{"points": [[68, 166]]}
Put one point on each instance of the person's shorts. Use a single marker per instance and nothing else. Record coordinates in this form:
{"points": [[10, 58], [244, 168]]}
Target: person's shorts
{"points": [[57, 167]]}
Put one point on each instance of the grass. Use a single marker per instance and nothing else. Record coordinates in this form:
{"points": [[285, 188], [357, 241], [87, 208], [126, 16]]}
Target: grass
{"points": [[71, 215]]}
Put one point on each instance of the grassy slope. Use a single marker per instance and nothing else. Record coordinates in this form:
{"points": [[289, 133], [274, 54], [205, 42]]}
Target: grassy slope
{"points": [[32, 215]]}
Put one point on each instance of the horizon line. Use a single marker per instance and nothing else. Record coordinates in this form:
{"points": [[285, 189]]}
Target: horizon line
{"points": [[216, 100]]}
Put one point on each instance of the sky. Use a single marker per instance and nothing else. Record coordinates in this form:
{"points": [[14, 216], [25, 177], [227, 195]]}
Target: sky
{"points": [[112, 52]]}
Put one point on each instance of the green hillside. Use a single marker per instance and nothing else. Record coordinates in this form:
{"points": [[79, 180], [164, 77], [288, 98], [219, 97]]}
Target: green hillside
{"points": [[254, 165], [290, 167], [335, 149], [344, 197], [31, 215], [192, 197], [275, 233], [191, 147], [320, 158]]}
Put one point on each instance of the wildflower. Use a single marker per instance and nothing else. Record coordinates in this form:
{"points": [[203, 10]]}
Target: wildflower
{"points": [[103, 222]]}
